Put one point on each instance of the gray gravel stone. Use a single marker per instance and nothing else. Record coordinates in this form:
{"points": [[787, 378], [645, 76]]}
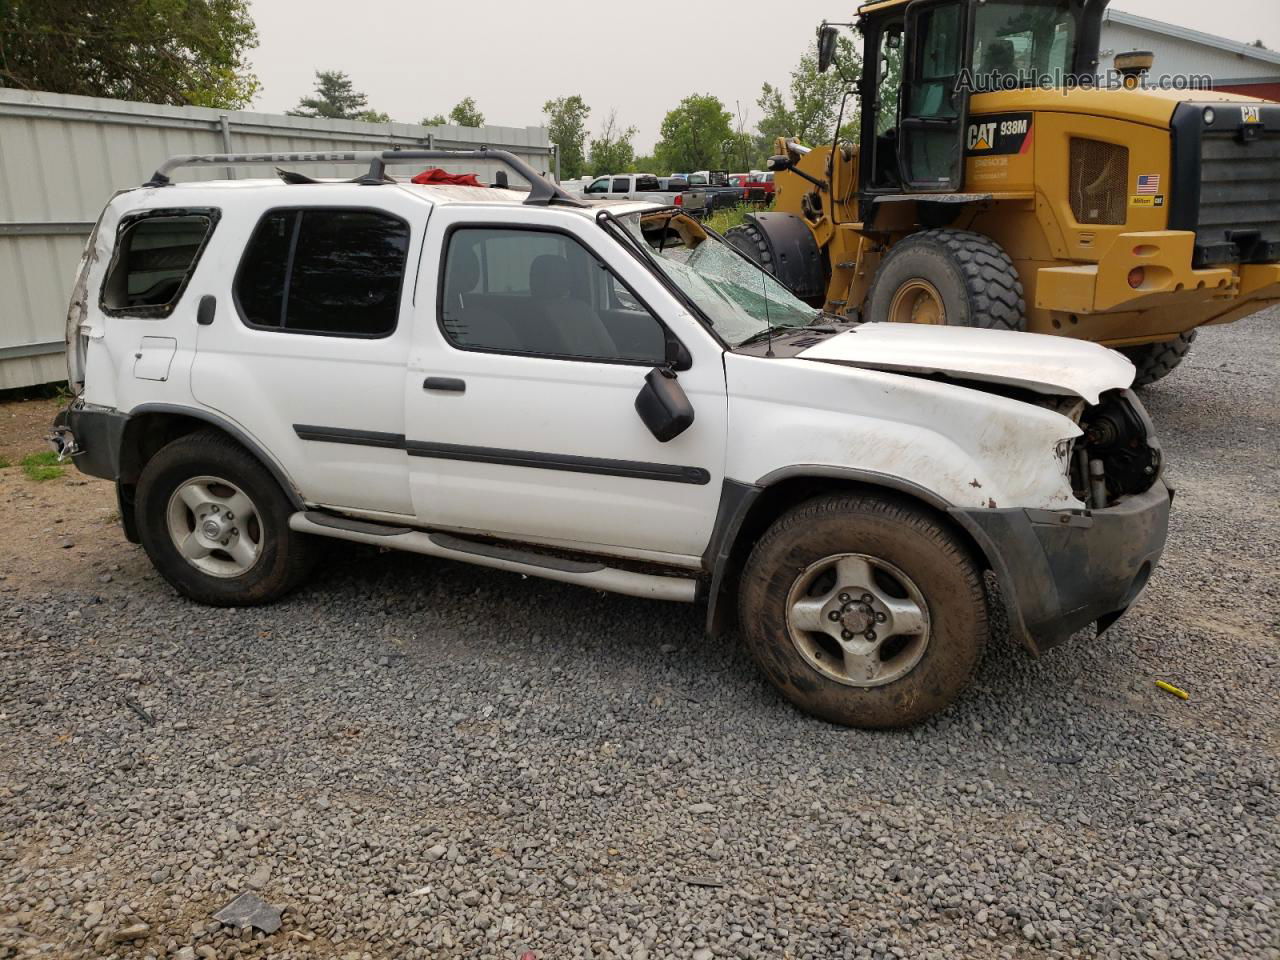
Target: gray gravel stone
{"points": [[534, 770]]}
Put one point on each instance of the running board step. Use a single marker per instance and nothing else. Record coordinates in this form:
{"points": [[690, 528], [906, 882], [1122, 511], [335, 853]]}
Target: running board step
{"points": [[498, 556]]}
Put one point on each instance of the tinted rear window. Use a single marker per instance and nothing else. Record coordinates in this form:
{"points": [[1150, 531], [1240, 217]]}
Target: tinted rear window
{"points": [[324, 271]]}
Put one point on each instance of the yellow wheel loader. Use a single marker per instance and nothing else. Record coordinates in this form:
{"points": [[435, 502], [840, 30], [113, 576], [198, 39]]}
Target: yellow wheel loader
{"points": [[1001, 181]]}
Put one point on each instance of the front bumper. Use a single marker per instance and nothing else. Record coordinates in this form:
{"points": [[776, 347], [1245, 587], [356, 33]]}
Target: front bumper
{"points": [[1060, 571]]}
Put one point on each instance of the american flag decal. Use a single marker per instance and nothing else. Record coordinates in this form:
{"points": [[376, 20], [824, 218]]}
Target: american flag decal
{"points": [[1148, 183]]}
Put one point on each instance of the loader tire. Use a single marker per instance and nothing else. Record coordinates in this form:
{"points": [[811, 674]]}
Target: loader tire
{"points": [[749, 239], [954, 277], [1156, 361]]}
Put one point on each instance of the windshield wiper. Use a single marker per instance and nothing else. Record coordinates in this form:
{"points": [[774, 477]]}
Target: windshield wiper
{"points": [[821, 323]]}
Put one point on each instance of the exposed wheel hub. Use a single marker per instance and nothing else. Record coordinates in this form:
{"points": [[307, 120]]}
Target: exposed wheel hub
{"points": [[857, 617], [843, 609]]}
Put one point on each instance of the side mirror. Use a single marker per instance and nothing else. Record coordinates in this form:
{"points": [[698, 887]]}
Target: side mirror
{"points": [[778, 164], [663, 405], [826, 47], [678, 356], [893, 39]]}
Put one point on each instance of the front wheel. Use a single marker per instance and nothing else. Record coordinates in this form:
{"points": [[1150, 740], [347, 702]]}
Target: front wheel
{"points": [[215, 523], [953, 277], [864, 611]]}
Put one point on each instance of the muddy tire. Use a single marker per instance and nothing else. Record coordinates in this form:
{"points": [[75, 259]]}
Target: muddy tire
{"points": [[215, 523], [864, 611], [953, 277], [1155, 361], [750, 239]]}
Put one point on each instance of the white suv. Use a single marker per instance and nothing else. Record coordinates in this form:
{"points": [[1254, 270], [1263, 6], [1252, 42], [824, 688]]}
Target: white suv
{"points": [[609, 396]]}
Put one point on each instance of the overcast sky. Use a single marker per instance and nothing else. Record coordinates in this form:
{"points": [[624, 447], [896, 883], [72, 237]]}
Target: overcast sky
{"points": [[419, 57]]}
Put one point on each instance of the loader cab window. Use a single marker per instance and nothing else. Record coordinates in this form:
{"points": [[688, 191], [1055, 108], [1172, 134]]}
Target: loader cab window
{"points": [[1015, 44], [931, 92], [884, 122]]}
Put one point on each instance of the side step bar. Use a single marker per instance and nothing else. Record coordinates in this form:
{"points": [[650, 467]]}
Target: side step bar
{"points": [[498, 556]]}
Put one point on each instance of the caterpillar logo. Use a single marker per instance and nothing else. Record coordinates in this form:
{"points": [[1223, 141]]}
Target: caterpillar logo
{"points": [[981, 135], [1251, 114], [1001, 134]]}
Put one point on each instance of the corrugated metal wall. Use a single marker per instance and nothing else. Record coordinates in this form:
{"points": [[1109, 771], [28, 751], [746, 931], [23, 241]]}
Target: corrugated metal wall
{"points": [[61, 158]]}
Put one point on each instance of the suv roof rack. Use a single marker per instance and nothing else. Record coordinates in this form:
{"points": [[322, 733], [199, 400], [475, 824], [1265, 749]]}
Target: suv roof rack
{"points": [[542, 192]]}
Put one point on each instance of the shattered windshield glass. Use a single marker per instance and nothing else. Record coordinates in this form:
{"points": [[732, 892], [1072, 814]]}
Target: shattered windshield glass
{"points": [[741, 300]]}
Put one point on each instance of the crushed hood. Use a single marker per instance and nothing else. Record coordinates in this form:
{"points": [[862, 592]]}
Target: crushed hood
{"points": [[1052, 365]]}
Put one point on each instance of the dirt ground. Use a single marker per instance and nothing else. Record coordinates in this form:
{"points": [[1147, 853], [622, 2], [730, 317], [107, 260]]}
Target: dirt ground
{"points": [[68, 525]]}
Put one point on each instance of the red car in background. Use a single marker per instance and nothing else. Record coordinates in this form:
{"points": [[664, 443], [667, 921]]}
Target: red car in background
{"points": [[757, 180]]}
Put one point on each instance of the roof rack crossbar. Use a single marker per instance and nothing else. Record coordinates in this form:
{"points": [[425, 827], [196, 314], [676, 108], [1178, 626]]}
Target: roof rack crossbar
{"points": [[542, 191]]}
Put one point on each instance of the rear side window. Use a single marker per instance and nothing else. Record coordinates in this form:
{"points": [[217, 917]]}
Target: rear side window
{"points": [[154, 257], [621, 184], [334, 272]]}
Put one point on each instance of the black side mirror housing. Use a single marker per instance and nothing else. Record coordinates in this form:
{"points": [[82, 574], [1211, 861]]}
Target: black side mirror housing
{"points": [[678, 356], [779, 163], [663, 405], [826, 47]]}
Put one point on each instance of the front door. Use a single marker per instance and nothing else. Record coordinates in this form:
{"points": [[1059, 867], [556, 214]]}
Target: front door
{"points": [[933, 106], [307, 347], [520, 405]]}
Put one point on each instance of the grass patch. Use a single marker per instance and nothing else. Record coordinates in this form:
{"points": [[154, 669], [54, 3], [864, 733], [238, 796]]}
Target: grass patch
{"points": [[722, 220], [42, 466], [4, 463]]}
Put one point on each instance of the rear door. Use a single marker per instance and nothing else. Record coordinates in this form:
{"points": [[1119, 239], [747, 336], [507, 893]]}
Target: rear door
{"points": [[520, 400], [307, 348]]}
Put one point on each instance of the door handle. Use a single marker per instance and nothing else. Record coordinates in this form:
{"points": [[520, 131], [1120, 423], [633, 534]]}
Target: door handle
{"points": [[449, 384]]}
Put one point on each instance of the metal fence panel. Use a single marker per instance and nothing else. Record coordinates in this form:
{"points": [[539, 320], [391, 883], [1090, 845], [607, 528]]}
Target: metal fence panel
{"points": [[61, 158]]}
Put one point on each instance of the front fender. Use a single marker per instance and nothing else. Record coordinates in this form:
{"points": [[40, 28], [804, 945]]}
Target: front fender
{"points": [[960, 445]]}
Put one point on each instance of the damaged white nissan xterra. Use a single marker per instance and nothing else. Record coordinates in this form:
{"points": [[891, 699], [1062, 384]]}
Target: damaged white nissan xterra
{"points": [[603, 394]]}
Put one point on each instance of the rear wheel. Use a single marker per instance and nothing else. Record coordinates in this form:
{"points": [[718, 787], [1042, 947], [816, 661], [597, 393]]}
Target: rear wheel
{"points": [[1157, 360], [863, 611], [215, 523], [954, 277]]}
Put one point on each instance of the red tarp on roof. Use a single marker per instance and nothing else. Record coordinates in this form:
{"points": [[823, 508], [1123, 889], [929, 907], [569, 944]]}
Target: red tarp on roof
{"points": [[436, 175]]}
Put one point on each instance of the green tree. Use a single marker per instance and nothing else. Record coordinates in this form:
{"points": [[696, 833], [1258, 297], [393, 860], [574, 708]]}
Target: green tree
{"points": [[435, 120], [612, 151], [694, 134], [648, 163], [810, 116], [337, 99], [567, 128], [466, 114], [158, 51]]}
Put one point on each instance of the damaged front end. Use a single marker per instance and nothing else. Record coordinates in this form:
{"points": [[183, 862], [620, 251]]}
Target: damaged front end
{"points": [[1117, 455], [1062, 570]]}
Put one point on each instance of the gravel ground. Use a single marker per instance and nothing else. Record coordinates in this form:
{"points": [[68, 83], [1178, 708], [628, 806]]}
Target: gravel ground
{"points": [[418, 759]]}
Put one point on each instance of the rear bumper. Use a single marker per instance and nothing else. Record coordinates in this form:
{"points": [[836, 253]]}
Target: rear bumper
{"points": [[1060, 571], [93, 437]]}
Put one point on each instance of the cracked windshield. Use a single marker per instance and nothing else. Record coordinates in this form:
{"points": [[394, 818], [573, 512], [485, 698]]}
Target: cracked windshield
{"points": [[741, 300]]}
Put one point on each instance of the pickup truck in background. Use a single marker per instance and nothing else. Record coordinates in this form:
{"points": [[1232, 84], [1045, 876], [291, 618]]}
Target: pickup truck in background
{"points": [[721, 193], [672, 191]]}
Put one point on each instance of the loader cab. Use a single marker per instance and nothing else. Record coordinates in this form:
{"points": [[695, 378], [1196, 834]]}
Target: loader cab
{"points": [[924, 59]]}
